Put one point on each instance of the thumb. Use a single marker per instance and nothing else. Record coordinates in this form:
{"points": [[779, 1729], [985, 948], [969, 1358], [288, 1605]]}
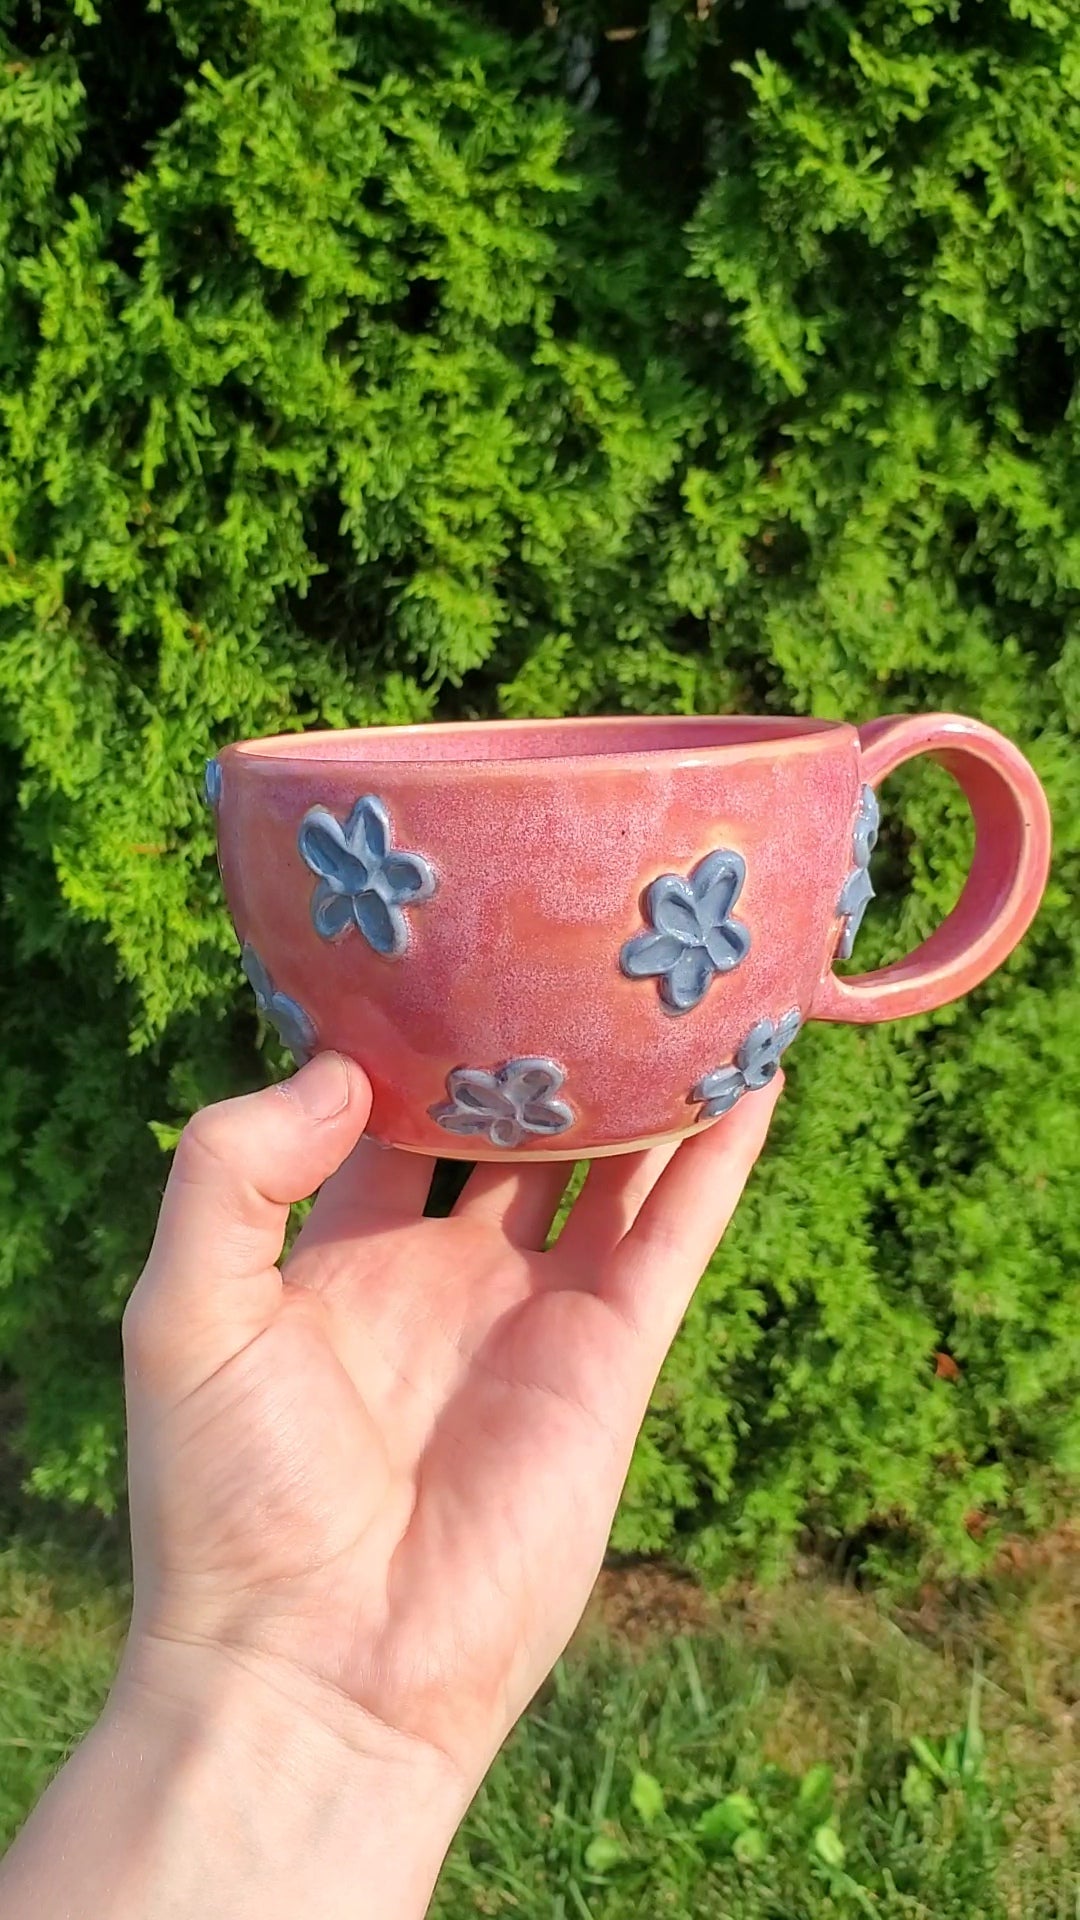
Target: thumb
{"points": [[211, 1283]]}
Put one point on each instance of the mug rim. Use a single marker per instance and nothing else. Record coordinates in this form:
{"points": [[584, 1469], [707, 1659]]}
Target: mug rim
{"points": [[617, 737]]}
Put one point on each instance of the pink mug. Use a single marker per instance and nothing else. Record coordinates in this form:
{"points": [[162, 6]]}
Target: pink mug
{"points": [[558, 939]]}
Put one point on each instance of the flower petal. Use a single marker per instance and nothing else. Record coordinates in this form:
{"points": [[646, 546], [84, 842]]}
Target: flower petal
{"points": [[406, 877], [257, 976], [846, 943], [757, 1052], [295, 1030], [368, 830], [382, 926], [867, 823], [506, 1131], [787, 1028], [458, 1120], [857, 892], [323, 848], [672, 908], [685, 984], [719, 1090], [531, 1079], [331, 911], [727, 945], [651, 953], [717, 882], [547, 1116], [482, 1092], [473, 1088]]}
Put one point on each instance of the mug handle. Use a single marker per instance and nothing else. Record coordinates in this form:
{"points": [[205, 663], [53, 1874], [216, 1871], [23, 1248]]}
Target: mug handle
{"points": [[1004, 885]]}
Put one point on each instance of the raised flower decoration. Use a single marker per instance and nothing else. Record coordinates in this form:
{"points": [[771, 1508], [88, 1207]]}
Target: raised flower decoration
{"points": [[507, 1105], [212, 783], [858, 891], [693, 933], [756, 1063], [296, 1029], [364, 882]]}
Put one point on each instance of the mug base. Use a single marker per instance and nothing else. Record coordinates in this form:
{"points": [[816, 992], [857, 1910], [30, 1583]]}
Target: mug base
{"points": [[517, 1156]]}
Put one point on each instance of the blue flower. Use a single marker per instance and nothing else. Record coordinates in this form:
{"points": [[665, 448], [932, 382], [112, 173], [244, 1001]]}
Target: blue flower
{"points": [[507, 1105], [694, 935], [212, 782], [296, 1030], [756, 1063], [857, 891], [363, 881]]}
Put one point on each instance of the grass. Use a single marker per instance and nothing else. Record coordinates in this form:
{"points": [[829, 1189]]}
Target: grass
{"points": [[61, 1628], [803, 1754], [788, 1756]]}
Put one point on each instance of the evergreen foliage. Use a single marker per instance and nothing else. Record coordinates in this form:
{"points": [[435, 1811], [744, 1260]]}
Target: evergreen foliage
{"points": [[365, 362]]}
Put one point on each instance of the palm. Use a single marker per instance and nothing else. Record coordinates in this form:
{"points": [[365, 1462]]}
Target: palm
{"points": [[413, 1463], [403, 1482]]}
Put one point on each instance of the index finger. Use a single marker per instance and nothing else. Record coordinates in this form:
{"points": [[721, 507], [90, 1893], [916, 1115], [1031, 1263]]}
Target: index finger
{"points": [[653, 1271]]}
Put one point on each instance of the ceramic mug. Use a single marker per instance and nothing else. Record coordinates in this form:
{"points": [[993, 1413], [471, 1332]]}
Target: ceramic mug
{"points": [[565, 938]]}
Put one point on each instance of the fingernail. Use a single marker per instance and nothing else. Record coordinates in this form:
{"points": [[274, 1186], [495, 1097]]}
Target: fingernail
{"points": [[321, 1088]]}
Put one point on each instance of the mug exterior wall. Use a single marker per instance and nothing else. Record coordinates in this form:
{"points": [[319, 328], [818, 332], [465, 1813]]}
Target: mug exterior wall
{"points": [[542, 869]]}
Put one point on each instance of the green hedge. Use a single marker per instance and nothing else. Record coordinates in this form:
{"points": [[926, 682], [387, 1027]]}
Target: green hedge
{"points": [[368, 362]]}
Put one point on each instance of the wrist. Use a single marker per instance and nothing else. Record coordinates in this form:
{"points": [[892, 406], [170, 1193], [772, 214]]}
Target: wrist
{"points": [[215, 1697], [343, 1811], [250, 1792]]}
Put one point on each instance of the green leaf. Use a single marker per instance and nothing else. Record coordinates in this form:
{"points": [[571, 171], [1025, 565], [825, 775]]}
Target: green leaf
{"points": [[917, 1791], [604, 1852], [927, 1758], [815, 1787], [829, 1847], [720, 1824], [750, 1846], [647, 1797]]}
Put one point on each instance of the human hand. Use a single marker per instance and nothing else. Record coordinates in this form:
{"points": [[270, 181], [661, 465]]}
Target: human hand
{"points": [[379, 1482]]}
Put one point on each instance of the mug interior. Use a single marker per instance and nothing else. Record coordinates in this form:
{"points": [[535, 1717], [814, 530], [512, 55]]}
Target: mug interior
{"points": [[515, 740]]}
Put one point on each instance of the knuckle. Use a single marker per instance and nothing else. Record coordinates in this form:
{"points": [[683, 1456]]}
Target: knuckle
{"points": [[204, 1148], [216, 1170]]}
